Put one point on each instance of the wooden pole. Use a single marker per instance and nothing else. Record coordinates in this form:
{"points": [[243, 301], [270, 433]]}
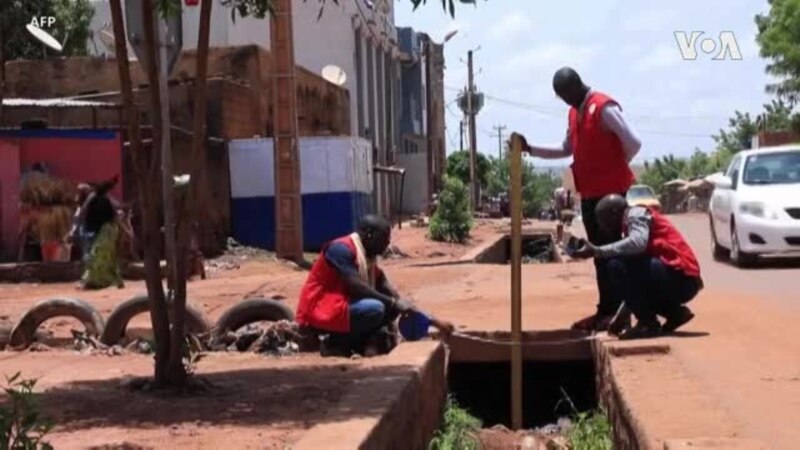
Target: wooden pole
{"points": [[288, 207], [516, 283]]}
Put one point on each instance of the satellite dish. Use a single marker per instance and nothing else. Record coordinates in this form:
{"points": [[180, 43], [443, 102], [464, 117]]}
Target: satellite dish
{"points": [[44, 37], [334, 74], [107, 38]]}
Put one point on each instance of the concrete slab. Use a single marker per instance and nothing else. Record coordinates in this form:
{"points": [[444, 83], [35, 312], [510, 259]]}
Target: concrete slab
{"points": [[495, 346], [642, 409], [714, 444], [405, 409]]}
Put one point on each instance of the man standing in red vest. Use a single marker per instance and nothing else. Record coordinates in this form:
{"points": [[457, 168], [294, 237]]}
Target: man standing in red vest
{"points": [[650, 267], [602, 146], [349, 296]]}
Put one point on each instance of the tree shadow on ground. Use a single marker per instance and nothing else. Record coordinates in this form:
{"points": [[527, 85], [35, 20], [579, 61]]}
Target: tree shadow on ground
{"points": [[301, 395]]}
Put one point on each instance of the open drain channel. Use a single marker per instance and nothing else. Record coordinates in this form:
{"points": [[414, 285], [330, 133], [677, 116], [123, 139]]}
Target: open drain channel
{"points": [[538, 248], [559, 378]]}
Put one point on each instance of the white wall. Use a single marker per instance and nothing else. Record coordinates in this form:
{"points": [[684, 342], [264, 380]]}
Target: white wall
{"points": [[415, 191]]}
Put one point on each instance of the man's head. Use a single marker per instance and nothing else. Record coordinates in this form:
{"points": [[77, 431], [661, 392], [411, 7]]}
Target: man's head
{"points": [[609, 212], [569, 86], [375, 233]]}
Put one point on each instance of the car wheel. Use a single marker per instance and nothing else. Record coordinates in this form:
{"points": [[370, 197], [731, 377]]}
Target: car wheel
{"points": [[738, 257], [719, 252]]}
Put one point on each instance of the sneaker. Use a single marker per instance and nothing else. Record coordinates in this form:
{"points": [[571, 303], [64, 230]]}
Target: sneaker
{"points": [[587, 324], [683, 316], [642, 331]]}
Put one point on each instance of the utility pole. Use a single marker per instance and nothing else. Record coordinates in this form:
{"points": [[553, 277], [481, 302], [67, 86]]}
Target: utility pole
{"points": [[499, 129], [461, 135], [473, 144], [288, 206]]}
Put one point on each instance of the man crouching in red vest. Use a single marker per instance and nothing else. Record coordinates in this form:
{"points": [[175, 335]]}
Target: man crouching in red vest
{"points": [[348, 295], [651, 268]]}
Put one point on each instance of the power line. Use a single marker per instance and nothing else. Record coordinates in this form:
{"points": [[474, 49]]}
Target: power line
{"points": [[539, 110], [554, 111]]}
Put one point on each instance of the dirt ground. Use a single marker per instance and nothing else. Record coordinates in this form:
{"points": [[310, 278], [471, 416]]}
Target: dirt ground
{"points": [[743, 351]]}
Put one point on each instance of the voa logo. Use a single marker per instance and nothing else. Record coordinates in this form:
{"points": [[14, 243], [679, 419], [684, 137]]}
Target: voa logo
{"points": [[725, 47]]}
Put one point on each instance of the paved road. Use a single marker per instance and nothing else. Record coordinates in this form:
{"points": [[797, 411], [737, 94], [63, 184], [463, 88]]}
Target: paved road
{"points": [[779, 279]]}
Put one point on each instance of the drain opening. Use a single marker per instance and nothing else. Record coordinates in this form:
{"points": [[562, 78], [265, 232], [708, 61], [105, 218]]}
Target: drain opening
{"points": [[551, 389], [536, 249]]}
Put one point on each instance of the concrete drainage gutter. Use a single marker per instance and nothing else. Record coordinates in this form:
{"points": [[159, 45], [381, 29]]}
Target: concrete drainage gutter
{"points": [[405, 407]]}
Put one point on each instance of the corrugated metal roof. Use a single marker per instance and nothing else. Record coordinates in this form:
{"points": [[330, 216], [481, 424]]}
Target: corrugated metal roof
{"points": [[55, 103]]}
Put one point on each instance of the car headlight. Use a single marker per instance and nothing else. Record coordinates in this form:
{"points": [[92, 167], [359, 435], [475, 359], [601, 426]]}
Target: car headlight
{"points": [[752, 208], [757, 209]]}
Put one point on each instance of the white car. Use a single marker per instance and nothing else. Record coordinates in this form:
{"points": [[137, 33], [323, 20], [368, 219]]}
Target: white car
{"points": [[755, 207]]}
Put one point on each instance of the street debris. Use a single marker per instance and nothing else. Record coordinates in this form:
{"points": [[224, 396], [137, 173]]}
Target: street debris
{"points": [[277, 339], [537, 251]]}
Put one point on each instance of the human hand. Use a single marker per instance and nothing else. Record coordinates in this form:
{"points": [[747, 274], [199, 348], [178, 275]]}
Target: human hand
{"points": [[523, 141], [404, 306], [587, 250], [445, 328]]}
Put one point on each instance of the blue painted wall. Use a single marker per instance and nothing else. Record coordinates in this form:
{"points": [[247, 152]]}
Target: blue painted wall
{"points": [[413, 104]]}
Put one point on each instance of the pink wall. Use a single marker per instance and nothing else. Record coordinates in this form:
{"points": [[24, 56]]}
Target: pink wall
{"points": [[9, 197], [76, 160], [74, 155]]}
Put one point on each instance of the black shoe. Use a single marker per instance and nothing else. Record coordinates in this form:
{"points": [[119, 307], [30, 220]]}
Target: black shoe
{"points": [[681, 317], [620, 324], [642, 331]]}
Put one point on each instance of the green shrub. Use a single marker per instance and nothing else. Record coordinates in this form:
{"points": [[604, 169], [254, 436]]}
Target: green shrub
{"points": [[459, 430], [591, 431], [21, 424], [452, 220]]}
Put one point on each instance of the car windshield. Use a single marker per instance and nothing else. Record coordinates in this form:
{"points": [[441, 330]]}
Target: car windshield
{"points": [[773, 168], [640, 192]]}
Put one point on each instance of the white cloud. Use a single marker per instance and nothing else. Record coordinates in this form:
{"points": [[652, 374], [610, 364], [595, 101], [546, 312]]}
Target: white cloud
{"points": [[509, 26], [649, 20], [661, 57], [548, 58]]}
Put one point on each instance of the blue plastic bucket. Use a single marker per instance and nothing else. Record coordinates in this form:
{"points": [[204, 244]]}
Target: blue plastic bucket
{"points": [[414, 326]]}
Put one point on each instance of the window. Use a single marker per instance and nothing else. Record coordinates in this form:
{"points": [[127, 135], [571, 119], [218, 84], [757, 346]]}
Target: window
{"points": [[638, 192], [732, 167], [772, 168]]}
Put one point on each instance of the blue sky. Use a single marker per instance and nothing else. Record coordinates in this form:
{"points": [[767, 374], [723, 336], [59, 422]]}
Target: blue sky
{"points": [[626, 48]]}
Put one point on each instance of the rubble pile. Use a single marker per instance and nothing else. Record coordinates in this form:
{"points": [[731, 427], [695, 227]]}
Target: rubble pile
{"points": [[277, 339]]}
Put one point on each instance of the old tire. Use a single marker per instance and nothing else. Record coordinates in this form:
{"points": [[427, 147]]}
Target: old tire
{"points": [[251, 311], [117, 324], [5, 332], [23, 333]]}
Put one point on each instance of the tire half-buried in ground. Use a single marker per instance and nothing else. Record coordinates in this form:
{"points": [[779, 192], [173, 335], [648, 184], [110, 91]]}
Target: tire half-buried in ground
{"points": [[251, 311], [117, 322], [23, 333]]}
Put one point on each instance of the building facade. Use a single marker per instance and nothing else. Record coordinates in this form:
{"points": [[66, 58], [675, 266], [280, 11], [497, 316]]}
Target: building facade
{"points": [[422, 121], [357, 36]]}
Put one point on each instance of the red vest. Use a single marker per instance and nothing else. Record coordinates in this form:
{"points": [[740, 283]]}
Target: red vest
{"points": [[599, 167], [324, 301], [667, 244]]}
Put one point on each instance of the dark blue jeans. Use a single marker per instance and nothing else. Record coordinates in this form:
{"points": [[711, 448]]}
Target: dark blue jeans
{"points": [[649, 287], [367, 316], [608, 303]]}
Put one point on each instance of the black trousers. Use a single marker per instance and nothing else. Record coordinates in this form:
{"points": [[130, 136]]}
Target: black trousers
{"points": [[649, 287], [608, 303]]}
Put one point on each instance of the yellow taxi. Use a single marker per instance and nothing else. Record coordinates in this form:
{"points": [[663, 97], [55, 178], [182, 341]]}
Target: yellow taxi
{"points": [[643, 195]]}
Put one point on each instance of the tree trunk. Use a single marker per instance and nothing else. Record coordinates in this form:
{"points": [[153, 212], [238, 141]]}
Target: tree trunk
{"points": [[165, 374], [191, 211]]}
